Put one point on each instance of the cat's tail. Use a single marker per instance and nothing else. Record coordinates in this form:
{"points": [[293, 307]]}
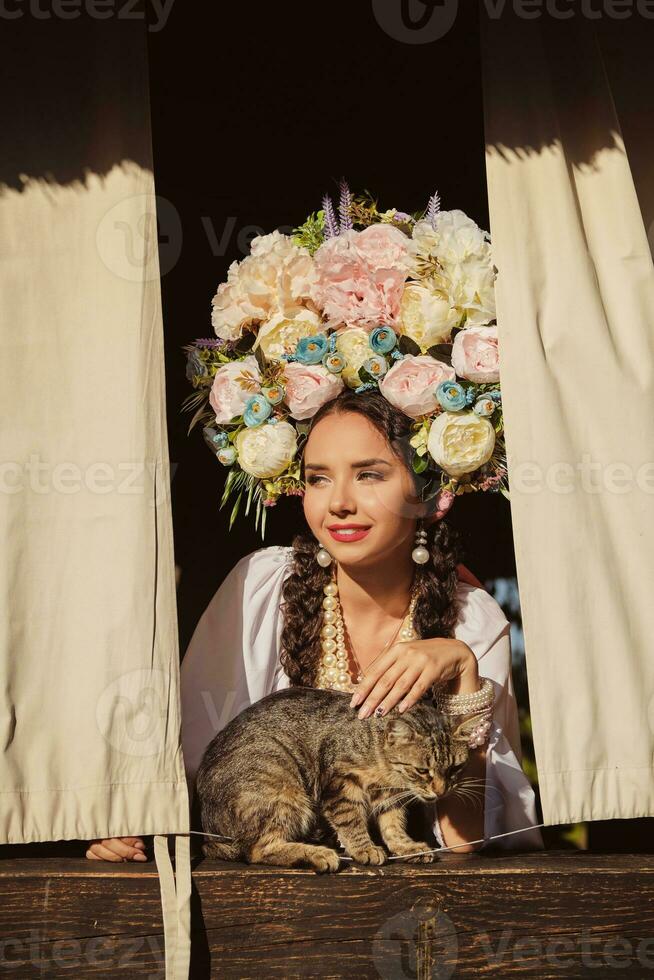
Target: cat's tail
{"points": [[222, 850]]}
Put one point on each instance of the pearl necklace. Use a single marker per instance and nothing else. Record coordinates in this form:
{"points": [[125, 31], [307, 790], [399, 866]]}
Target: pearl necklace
{"points": [[334, 672]]}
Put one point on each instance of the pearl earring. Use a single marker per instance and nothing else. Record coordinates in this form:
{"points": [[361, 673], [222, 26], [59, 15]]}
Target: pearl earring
{"points": [[420, 553], [323, 557]]}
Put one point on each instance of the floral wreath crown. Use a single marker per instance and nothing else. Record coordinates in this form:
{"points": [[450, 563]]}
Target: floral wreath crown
{"points": [[367, 300]]}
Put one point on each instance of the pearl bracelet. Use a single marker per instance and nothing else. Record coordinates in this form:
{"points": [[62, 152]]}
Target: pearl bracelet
{"points": [[479, 702]]}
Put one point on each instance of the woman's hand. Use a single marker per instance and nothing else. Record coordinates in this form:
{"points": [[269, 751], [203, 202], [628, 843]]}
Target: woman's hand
{"points": [[117, 849], [409, 668]]}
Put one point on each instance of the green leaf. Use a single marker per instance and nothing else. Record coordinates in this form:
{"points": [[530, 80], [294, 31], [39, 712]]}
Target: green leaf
{"points": [[408, 346], [261, 360], [420, 464], [441, 352], [244, 343], [249, 500], [505, 493], [199, 415], [235, 510]]}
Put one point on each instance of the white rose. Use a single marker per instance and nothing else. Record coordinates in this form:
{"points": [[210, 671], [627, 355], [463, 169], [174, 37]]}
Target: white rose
{"points": [[233, 385], [460, 442], [355, 348], [280, 334], [452, 238], [471, 284], [266, 450], [425, 316]]}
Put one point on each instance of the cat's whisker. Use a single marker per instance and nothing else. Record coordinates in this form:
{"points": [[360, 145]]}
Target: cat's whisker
{"points": [[384, 804]]}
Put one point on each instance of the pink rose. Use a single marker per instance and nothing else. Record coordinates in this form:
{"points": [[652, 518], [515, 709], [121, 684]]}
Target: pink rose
{"points": [[228, 395], [411, 383], [475, 355], [308, 387], [361, 275], [385, 247]]}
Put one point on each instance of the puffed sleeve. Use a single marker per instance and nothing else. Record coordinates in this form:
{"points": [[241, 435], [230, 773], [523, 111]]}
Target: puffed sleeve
{"points": [[232, 659], [509, 799]]}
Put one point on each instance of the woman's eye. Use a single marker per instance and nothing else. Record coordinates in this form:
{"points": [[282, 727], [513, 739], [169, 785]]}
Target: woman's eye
{"points": [[366, 474]]}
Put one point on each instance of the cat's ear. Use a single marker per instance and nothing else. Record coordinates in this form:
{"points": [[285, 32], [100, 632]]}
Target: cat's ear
{"points": [[462, 731], [399, 730]]}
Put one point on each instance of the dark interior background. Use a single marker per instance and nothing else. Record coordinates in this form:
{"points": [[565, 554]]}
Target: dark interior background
{"points": [[255, 114]]}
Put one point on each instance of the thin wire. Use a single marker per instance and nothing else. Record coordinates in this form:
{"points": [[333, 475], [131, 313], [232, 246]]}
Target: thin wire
{"points": [[406, 857]]}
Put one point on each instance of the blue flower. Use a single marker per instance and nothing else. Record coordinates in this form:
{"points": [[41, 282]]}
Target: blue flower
{"points": [[451, 395], [220, 439], [311, 350], [382, 340], [273, 394], [227, 455], [257, 410], [496, 396], [376, 365], [470, 396], [334, 362], [484, 406]]}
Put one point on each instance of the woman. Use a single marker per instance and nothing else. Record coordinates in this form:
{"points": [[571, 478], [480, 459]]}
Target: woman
{"points": [[262, 630]]}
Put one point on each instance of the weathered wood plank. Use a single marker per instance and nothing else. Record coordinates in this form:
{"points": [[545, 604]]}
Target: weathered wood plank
{"points": [[545, 914]]}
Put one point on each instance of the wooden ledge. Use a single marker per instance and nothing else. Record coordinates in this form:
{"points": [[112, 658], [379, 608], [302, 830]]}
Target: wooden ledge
{"points": [[540, 914]]}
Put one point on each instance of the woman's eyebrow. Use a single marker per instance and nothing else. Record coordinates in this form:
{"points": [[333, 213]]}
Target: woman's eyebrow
{"points": [[354, 466]]}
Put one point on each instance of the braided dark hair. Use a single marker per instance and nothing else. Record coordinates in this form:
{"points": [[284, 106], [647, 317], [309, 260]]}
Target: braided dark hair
{"points": [[436, 610]]}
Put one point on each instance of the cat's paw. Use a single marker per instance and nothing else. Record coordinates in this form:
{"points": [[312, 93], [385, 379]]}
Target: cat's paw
{"points": [[323, 859], [370, 854], [417, 852]]}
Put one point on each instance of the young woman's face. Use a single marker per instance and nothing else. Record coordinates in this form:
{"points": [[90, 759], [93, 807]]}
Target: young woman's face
{"points": [[354, 480]]}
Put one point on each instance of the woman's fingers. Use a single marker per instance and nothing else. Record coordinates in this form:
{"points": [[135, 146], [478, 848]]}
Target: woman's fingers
{"points": [[117, 849], [398, 690], [415, 693], [375, 670], [381, 689]]}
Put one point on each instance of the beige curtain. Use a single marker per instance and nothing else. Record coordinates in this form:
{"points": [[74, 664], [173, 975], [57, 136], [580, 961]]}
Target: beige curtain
{"points": [[89, 667], [576, 321]]}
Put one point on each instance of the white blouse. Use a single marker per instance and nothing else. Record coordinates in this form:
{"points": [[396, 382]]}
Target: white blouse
{"points": [[233, 661]]}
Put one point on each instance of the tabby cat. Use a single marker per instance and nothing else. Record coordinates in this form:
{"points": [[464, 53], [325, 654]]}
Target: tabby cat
{"points": [[299, 768]]}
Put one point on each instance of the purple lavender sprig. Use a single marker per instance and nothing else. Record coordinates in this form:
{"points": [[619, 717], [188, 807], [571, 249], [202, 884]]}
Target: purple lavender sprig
{"points": [[214, 343], [344, 206], [433, 208], [331, 224]]}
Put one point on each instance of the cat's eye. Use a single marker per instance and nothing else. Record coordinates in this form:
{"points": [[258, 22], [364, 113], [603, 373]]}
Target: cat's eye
{"points": [[422, 772]]}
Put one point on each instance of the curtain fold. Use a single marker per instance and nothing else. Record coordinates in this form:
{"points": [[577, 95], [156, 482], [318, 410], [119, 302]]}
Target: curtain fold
{"points": [[89, 667], [575, 295]]}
